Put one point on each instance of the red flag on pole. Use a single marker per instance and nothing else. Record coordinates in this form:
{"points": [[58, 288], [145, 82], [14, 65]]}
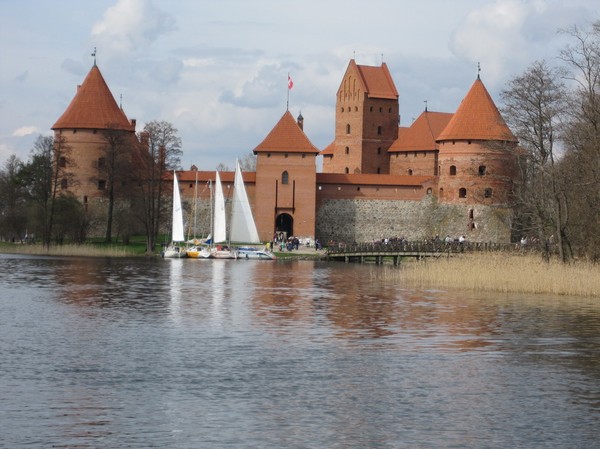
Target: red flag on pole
{"points": [[290, 82]]}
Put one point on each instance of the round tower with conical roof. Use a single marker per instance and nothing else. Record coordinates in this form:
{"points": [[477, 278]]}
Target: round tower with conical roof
{"points": [[477, 153], [82, 130]]}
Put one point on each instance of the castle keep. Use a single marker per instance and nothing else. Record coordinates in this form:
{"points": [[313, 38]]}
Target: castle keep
{"points": [[447, 173]]}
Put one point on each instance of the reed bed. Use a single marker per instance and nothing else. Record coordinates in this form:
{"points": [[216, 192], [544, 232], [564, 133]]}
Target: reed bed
{"points": [[508, 273], [85, 250]]}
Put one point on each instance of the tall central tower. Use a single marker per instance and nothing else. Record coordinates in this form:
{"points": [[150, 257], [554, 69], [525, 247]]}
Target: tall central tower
{"points": [[366, 121]]}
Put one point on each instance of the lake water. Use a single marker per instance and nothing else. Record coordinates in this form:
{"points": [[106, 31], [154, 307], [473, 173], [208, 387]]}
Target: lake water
{"points": [[135, 353]]}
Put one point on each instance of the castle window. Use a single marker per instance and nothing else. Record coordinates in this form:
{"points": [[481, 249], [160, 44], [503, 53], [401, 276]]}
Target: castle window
{"points": [[286, 155], [285, 177], [74, 131], [303, 156], [371, 109], [379, 130], [405, 154], [348, 128], [342, 109], [487, 193], [268, 154], [379, 150], [429, 191], [378, 170], [347, 170], [471, 216], [390, 110], [380, 109], [101, 184], [347, 150], [453, 170], [462, 192], [62, 161], [85, 199], [358, 189], [101, 162], [356, 108], [482, 170], [64, 183], [415, 155], [410, 172]]}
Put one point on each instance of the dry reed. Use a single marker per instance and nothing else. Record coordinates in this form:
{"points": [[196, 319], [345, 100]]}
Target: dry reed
{"points": [[68, 250], [502, 273]]}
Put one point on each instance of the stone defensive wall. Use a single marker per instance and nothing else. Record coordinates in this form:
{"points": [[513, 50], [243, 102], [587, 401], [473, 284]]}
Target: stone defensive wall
{"points": [[367, 220]]}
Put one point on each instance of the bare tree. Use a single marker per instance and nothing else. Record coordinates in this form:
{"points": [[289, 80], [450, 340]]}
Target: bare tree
{"points": [[46, 175], [114, 166], [12, 200], [160, 151], [534, 105], [582, 161]]}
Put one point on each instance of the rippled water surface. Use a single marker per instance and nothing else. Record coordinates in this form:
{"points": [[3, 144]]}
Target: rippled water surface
{"points": [[134, 353]]}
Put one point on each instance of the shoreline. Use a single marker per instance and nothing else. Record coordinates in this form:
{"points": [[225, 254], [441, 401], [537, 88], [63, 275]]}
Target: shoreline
{"points": [[498, 272]]}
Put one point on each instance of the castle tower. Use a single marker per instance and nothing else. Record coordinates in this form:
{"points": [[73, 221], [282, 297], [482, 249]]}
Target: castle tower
{"points": [[82, 127], [366, 121], [285, 192], [477, 153]]}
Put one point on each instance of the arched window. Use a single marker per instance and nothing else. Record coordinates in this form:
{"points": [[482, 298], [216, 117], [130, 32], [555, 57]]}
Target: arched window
{"points": [[482, 170], [62, 162], [429, 191], [379, 130], [64, 183], [488, 192], [453, 170], [285, 177], [347, 170], [462, 192], [410, 172], [348, 128], [347, 150]]}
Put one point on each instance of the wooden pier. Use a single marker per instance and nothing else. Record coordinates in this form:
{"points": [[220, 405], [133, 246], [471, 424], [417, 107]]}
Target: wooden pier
{"points": [[379, 252]]}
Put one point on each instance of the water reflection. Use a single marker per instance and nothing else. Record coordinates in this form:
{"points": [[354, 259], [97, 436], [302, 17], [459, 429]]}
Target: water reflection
{"points": [[142, 353]]}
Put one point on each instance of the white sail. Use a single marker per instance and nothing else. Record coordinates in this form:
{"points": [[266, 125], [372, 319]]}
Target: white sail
{"points": [[177, 232], [219, 220], [243, 228]]}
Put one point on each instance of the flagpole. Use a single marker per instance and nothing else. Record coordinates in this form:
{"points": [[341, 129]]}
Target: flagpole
{"points": [[287, 105]]}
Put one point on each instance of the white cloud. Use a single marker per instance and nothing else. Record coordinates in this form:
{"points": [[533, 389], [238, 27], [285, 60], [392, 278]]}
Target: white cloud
{"points": [[130, 27], [493, 35], [25, 131]]}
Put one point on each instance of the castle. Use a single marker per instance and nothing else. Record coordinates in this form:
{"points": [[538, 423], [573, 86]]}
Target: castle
{"points": [[446, 174]]}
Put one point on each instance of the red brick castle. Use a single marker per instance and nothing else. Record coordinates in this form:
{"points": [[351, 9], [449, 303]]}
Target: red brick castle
{"points": [[448, 173]]}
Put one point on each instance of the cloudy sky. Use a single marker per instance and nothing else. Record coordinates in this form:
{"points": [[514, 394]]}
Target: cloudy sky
{"points": [[217, 70]]}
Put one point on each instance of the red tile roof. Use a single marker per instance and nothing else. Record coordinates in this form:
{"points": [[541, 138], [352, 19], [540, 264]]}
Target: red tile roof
{"points": [[477, 118], [286, 137], [93, 107], [378, 81], [329, 150], [421, 135]]}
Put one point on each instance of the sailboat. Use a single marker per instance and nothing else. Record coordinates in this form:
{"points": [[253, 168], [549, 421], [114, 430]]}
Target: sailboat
{"points": [[198, 250], [243, 227], [175, 249], [219, 227]]}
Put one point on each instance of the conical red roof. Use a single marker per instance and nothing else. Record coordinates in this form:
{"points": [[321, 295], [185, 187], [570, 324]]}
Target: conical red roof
{"points": [[286, 137], [422, 133], [477, 118], [94, 107]]}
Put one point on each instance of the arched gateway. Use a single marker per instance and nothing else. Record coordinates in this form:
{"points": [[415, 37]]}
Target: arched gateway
{"points": [[285, 223]]}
